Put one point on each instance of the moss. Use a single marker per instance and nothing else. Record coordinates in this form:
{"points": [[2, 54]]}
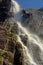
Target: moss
{"points": [[14, 28], [1, 58], [13, 36], [6, 25]]}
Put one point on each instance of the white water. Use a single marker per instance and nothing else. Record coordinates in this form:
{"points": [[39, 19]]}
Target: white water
{"points": [[33, 40], [33, 52]]}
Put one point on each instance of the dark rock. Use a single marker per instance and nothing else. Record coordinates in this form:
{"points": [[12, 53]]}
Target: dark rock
{"points": [[41, 9], [18, 54], [4, 8], [24, 39], [4, 63]]}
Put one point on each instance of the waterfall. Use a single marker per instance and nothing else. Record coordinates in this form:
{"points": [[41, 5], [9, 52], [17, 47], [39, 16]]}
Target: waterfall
{"points": [[33, 51], [17, 11], [34, 47]]}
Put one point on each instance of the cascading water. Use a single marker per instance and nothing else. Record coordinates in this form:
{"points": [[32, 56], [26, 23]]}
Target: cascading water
{"points": [[33, 51], [34, 47]]}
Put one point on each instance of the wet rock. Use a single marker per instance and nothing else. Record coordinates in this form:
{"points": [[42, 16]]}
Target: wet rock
{"points": [[10, 49], [18, 56], [24, 39]]}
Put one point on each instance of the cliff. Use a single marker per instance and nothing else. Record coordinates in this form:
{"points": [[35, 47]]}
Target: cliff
{"points": [[33, 21]]}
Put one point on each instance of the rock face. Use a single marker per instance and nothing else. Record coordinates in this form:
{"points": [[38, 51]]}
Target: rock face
{"points": [[33, 20], [4, 9], [10, 49]]}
